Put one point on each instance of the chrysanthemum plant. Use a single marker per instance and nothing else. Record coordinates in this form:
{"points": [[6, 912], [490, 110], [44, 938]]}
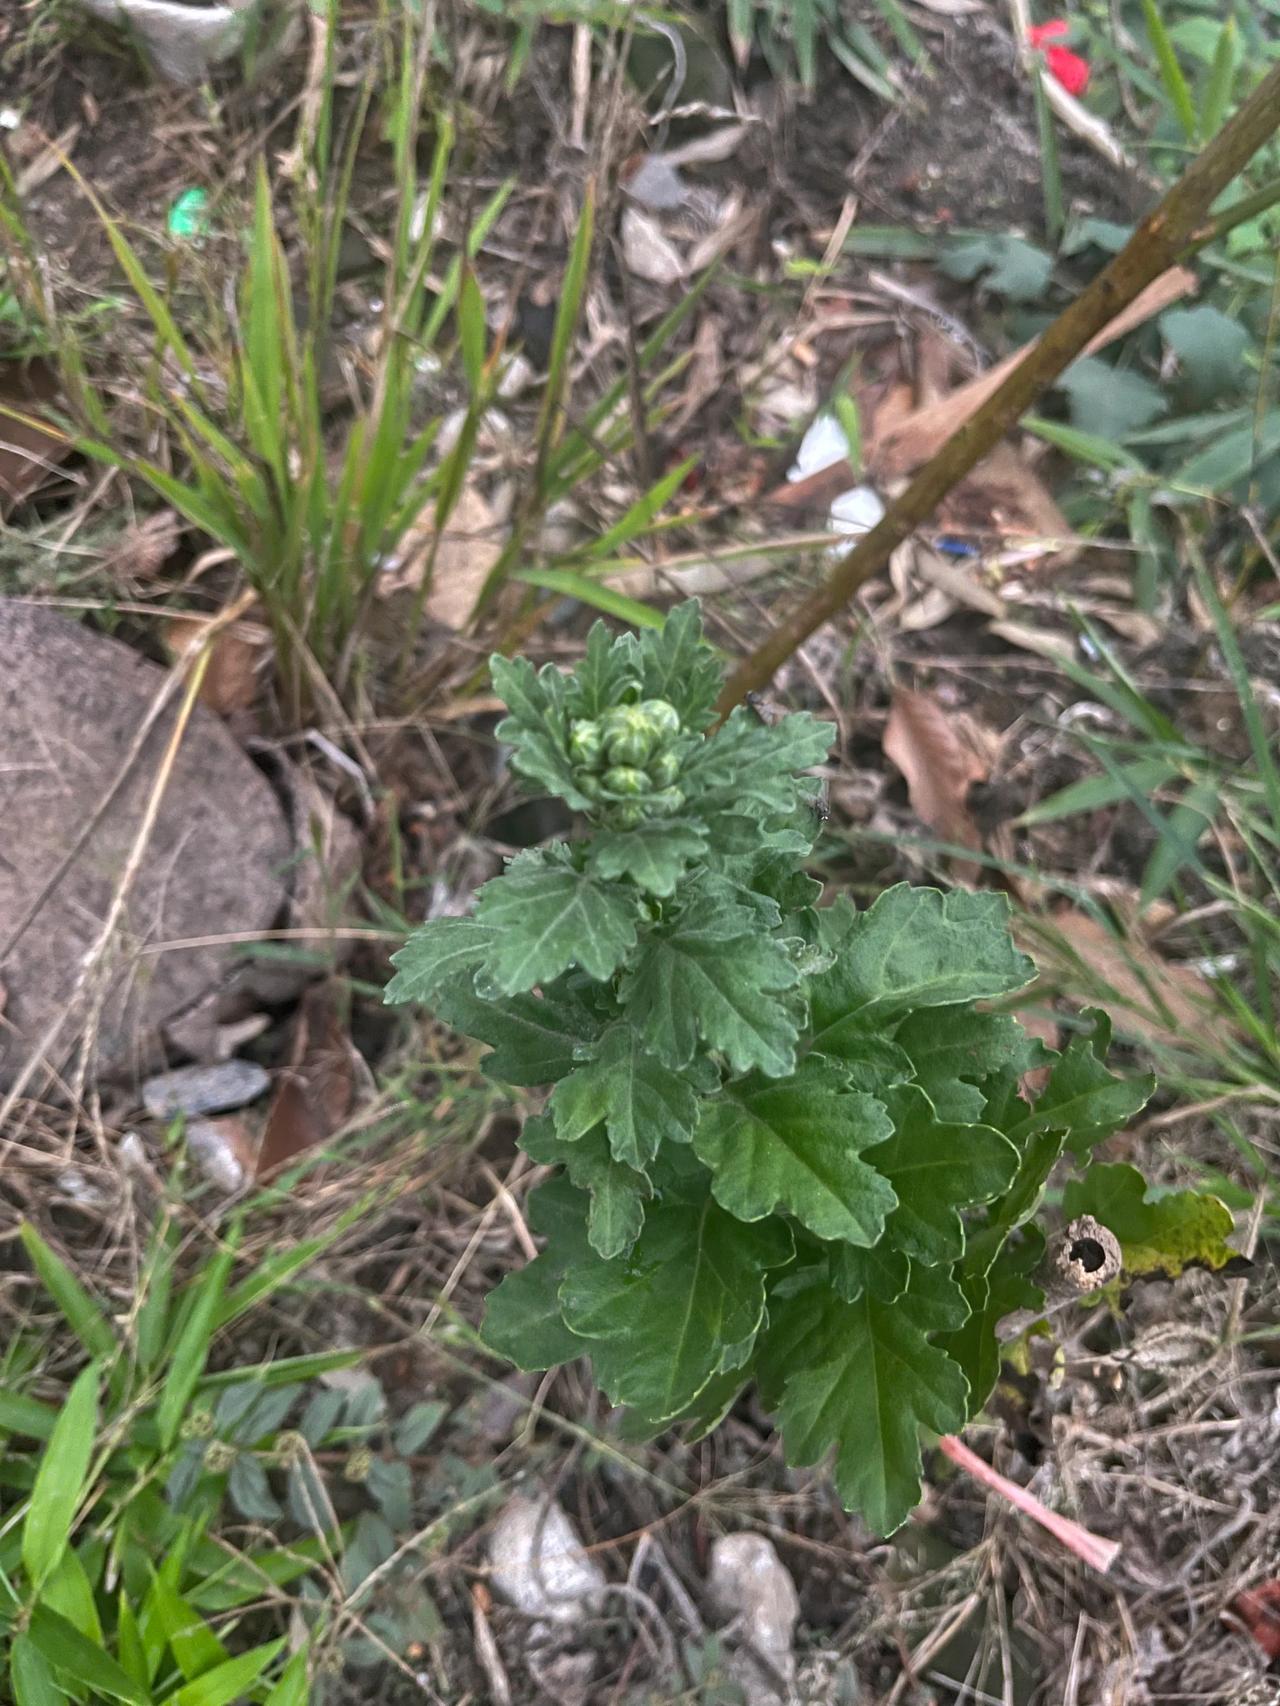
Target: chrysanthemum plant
{"points": [[789, 1143]]}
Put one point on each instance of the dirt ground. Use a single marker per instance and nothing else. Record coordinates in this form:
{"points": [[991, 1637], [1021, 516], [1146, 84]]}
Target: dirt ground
{"points": [[1157, 1426]]}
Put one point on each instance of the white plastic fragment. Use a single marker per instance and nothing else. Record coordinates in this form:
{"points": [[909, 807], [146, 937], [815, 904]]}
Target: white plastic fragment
{"points": [[823, 444], [855, 511], [182, 42], [538, 1563]]}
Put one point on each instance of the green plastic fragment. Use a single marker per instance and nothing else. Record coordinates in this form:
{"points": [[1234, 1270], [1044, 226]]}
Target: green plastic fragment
{"points": [[189, 215]]}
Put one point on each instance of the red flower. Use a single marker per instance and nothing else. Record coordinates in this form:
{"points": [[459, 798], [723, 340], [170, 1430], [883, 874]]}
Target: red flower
{"points": [[1069, 68]]}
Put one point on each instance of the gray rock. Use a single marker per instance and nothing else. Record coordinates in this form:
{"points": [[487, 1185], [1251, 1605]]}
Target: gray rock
{"points": [[183, 42], [216, 863], [203, 1089]]}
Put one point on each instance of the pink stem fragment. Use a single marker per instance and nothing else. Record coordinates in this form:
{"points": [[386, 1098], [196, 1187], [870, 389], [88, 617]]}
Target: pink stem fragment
{"points": [[1099, 1554]]}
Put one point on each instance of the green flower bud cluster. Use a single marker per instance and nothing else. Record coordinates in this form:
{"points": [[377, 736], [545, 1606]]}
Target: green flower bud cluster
{"points": [[628, 761]]}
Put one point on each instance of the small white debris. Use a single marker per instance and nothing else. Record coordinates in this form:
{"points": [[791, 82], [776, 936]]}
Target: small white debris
{"points": [[182, 42], [647, 250], [855, 511], [823, 444], [751, 1587], [538, 1563], [10, 118], [657, 184], [217, 1148]]}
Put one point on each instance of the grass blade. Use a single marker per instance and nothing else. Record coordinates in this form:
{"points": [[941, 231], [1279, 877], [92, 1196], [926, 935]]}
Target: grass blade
{"points": [[192, 1348], [60, 1480], [1175, 84], [83, 1316], [592, 593], [229, 1681], [575, 278], [64, 1646]]}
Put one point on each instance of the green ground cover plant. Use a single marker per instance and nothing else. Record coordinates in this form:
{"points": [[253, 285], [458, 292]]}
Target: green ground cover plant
{"points": [[792, 1143]]}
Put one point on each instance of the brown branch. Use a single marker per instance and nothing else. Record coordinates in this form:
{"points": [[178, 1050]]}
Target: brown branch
{"points": [[1177, 224]]}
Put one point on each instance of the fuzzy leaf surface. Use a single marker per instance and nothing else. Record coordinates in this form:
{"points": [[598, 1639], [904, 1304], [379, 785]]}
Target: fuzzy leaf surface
{"points": [[1082, 1098], [715, 979], [437, 953], [937, 1168], [864, 1378], [662, 1322], [546, 916], [953, 1049], [522, 1318], [535, 1039], [913, 948], [747, 768], [537, 726], [655, 855], [640, 1102], [617, 1192], [794, 1144], [676, 665]]}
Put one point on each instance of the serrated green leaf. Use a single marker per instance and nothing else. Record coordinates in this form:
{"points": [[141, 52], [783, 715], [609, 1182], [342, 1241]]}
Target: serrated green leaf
{"points": [[751, 769], [61, 1479], [618, 1192], [1082, 1098], [937, 1169], [641, 1102], [1209, 345], [696, 1420], [608, 666], [546, 916], [538, 725], [535, 1039], [1160, 1234], [1110, 402], [953, 1050], [993, 1290], [662, 1323], [883, 1271], [523, 1320], [795, 1144], [437, 953], [655, 855], [697, 982], [913, 948], [676, 664], [864, 1378]]}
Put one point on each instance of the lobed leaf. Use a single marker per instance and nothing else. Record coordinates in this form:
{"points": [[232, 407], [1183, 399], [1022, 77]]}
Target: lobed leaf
{"points": [[937, 1169], [954, 1049], [640, 1102], [546, 916], [1082, 1098], [655, 855], [437, 954], [708, 979], [677, 665], [794, 1144], [684, 1306], [617, 1192]]}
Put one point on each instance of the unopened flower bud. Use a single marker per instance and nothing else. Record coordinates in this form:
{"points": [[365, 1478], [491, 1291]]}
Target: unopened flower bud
{"points": [[663, 769], [666, 802], [586, 743], [622, 779], [358, 1465], [627, 814], [219, 1456], [662, 717]]}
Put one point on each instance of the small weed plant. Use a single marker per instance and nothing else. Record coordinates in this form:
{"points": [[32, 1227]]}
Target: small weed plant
{"points": [[792, 1144]]}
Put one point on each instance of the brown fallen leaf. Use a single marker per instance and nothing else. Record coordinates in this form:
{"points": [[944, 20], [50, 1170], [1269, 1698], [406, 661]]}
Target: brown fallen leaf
{"points": [[942, 753], [231, 678], [316, 1092], [469, 547], [28, 451], [1157, 999], [897, 443]]}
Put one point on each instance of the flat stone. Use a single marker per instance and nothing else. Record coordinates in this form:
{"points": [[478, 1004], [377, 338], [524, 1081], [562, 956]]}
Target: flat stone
{"points": [[204, 1089], [215, 864]]}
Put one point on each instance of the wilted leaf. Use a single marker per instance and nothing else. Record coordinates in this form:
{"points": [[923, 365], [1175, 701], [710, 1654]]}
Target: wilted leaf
{"points": [[316, 1094], [939, 752], [231, 676], [1159, 1234], [464, 552]]}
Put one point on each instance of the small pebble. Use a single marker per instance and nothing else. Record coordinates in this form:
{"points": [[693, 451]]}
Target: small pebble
{"points": [[203, 1089]]}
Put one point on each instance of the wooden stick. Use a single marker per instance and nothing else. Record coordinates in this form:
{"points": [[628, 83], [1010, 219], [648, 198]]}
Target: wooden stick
{"points": [[1172, 228]]}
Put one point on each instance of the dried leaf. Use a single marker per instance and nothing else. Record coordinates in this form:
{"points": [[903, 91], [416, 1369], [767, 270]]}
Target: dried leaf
{"points": [[231, 678], [27, 451], [468, 549], [939, 751], [317, 1093], [646, 249], [1159, 1000]]}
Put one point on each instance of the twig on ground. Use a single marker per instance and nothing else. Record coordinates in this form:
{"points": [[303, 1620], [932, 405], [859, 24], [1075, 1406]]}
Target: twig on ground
{"points": [[1099, 1554]]}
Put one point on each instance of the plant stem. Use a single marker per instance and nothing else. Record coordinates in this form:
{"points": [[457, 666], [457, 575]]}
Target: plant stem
{"points": [[1175, 224]]}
